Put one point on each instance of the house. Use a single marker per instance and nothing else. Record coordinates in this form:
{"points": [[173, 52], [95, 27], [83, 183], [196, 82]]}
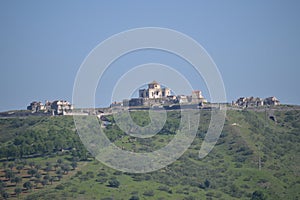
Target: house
{"points": [[36, 106], [271, 101], [58, 107], [256, 102], [197, 97], [156, 95], [154, 91], [116, 104], [182, 99], [61, 107], [249, 102], [48, 105]]}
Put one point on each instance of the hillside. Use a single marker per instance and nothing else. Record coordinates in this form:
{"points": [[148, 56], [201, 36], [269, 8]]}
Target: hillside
{"points": [[256, 157]]}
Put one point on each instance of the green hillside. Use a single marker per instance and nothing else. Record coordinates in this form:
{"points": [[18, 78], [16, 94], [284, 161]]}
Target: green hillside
{"points": [[256, 157]]}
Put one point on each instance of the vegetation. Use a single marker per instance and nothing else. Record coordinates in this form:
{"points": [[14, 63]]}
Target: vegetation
{"points": [[255, 158]]}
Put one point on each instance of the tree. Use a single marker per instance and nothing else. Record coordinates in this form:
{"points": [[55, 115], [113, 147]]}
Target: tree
{"points": [[74, 165], [25, 150], [37, 167], [48, 164], [134, 198], [82, 154], [31, 164], [59, 174], [46, 177], [66, 168], [114, 183], [207, 183], [38, 175], [48, 169], [258, 195], [148, 193], [4, 152], [9, 174], [27, 185], [59, 161], [51, 179], [75, 159], [32, 172], [24, 162], [13, 151], [18, 191], [18, 141], [16, 180], [4, 164], [44, 182], [19, 168], [11, 166], [2, 185], [5, 195], [56, 166]]}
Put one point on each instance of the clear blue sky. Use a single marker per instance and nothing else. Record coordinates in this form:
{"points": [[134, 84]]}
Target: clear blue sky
{"points": [[255, 44]]}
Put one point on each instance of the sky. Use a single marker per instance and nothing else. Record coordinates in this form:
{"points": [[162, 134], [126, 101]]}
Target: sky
{"points": [[254, 44]]}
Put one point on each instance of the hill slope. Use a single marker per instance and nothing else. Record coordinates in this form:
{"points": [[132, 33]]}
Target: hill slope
{"points": [[255, 157]]}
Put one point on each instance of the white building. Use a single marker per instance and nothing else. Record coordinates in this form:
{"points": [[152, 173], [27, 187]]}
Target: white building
{"points": [[61, 107], [154, 91], [256, 102]]}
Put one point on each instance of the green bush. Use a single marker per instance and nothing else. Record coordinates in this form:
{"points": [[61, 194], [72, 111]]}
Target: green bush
{"points": [[60, 187], [149, 193], [114, 183]]}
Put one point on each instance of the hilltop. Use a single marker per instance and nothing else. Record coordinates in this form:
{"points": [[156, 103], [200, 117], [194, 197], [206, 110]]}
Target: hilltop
{"points": [[256, 157]]}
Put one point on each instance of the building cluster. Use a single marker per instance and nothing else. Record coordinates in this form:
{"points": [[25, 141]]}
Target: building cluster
{"points": [[153, 96], [156, 95], [256, 102], [58, 107]]}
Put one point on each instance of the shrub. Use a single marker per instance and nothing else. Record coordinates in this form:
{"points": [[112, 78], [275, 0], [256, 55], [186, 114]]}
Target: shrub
{"points": [[60, 187], [207, 183], [103, 174], [101, 180], [258, 195], [90, 174], [114, 183], [189, 198], [82, 192], [164, 188], [117, 173], [134, 198], [149, 193]]}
